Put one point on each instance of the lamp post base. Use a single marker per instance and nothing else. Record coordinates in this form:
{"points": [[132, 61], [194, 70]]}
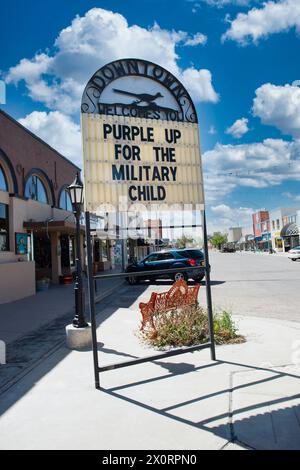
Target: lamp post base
{"points": [[78, 338]]}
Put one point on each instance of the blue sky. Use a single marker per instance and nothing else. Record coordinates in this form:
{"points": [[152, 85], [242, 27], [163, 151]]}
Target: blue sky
{"points": [[238, 58]]}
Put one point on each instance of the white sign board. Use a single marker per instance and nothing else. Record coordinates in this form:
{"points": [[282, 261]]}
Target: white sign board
{"points": [[140, 138]]}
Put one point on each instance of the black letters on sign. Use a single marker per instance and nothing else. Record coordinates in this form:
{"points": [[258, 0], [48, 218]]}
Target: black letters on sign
{"points": [[126, 155]]}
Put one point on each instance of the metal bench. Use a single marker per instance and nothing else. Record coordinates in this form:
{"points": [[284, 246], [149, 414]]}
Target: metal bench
{"points": [[180, 295]]}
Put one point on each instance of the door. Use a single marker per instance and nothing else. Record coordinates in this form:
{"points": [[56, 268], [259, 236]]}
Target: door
{"points": [[65, 254], [159, 261], [42, 256]]}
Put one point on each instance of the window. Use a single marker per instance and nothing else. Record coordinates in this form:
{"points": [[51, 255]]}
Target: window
{"points": [[3, 183], [277, 223], [4, 238], [151, 258], [35, 189], [273, 224], [65, 201], [164, 256], [192, 253]]}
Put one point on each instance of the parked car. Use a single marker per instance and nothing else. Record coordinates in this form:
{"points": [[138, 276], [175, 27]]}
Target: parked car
{"points": [[167, 259], [294, 253], [228, 249]]}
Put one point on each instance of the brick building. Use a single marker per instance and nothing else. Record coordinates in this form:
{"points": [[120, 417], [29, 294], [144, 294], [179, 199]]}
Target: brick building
{"points": [[261, 229], [36, 223]]}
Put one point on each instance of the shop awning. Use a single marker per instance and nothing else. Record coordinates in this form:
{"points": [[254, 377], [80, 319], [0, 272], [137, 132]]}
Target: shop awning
{"points": [[290, 230], [249, 237], [63, 226]]}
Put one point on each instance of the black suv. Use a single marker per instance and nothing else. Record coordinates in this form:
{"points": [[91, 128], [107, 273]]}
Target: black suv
{"points": [[167, 259]]}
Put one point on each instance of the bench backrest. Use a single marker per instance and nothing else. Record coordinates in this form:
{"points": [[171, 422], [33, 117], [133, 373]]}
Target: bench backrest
{"points": [[179, 295]]}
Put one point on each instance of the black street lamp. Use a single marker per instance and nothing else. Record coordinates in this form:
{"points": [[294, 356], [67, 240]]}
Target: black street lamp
{"points": [[76, 194]]}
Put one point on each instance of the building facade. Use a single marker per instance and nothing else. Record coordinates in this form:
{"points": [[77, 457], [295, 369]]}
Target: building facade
{"points": [[234, 235], [247, 239], [284, 228], [37, 225], [291, 229], [261, 230]]}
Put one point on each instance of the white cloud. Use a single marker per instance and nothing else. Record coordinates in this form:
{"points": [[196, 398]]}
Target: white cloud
{"points": [[259, 23], [197, 39], [57, 79], [31, 69], [223, 3], [293, 197], [212, 130], [224, 217], [238, 128], [279, 106], [199, 82], [57, 130], [256, 165]]}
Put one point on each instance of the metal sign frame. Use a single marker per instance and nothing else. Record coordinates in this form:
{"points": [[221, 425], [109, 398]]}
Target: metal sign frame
{"points": [[143, 105], [91, 286]]}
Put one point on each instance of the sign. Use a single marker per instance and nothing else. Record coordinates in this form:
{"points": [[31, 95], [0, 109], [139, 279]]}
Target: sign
{"points": [[140, 137], [140, 89], [21, 240], [266, 236], [140, 143]]}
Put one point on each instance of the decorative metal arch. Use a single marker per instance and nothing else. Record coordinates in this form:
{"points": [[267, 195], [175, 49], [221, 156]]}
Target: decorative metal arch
{"points": [[137, 68], [289, 230], [45, 179]]}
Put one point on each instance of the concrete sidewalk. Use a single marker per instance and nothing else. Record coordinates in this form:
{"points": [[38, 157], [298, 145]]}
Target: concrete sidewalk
{"points": [[20, 318], [249, 398], [274, 255], [33, 328]]}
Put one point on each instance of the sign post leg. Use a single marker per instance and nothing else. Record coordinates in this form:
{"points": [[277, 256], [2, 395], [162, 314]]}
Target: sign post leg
{"points": [[92, 298], [208, 290]]}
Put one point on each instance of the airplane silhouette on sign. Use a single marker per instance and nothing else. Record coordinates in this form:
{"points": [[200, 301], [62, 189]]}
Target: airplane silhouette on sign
{"points": [[141, 97]]}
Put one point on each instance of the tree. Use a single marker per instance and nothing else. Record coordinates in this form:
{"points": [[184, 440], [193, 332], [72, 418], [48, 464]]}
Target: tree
{"points": [[218, 239], [184, 241]]}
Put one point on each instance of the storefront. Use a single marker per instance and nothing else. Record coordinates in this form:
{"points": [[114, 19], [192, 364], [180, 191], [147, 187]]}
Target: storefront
{"points": [[53, 248], [102, 254], [266, 241], [37, 225], [263, 242], [277, 241], [247, 243], [290, 236]]}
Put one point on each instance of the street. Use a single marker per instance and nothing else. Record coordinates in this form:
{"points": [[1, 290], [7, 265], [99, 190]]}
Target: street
{"points": [[248, 284], [256, 284]]}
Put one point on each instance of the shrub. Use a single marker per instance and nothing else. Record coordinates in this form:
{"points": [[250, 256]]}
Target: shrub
{"points": [[189, 326]]}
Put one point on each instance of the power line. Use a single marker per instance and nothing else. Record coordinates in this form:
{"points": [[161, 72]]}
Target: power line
{"points": [[244, 173]]}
